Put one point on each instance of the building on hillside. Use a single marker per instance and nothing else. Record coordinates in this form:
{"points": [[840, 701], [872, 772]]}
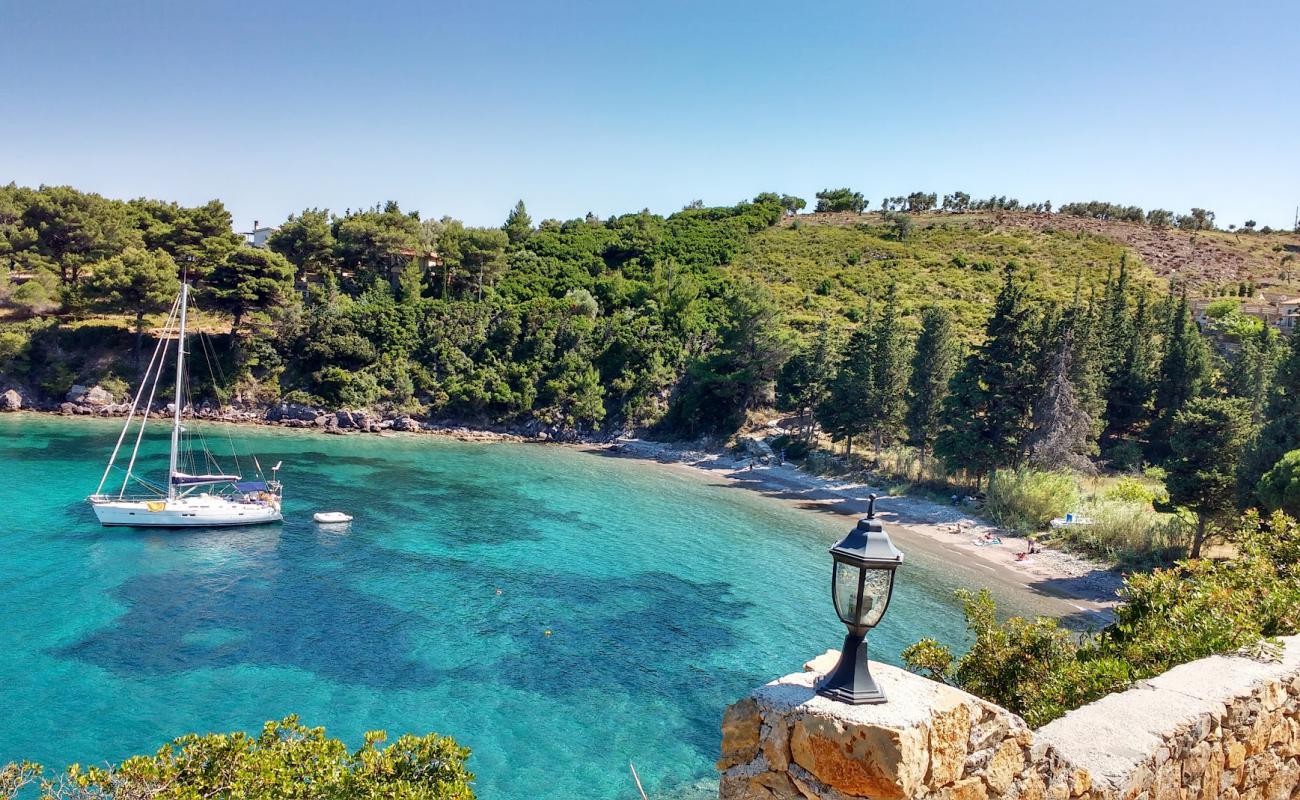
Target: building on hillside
{"points": [[1280, 312], [1289, 318], [429, 259], [258, 235]]}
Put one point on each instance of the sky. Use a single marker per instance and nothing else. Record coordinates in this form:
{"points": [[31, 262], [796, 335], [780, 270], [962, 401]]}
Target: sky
{"points": [[463, 108]]}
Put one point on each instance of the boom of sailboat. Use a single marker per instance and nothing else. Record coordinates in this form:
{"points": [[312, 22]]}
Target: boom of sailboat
{"points": [[203, 494]]}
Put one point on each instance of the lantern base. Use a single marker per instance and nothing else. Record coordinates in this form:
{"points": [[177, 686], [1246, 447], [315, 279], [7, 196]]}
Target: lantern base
{"points": [[850, 681]]}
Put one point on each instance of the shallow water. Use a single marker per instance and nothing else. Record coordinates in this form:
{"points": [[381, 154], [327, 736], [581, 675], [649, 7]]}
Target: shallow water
{"points": [[666, 597]]}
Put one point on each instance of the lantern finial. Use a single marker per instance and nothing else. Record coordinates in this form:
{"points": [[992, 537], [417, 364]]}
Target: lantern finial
{"points": [[871, 506]]}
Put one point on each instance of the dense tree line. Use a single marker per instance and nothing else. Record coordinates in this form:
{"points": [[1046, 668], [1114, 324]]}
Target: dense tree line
{"points": [[578, 323], [1119, 378], [71, 251]]}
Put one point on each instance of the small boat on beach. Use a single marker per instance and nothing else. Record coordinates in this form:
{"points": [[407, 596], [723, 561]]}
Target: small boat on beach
{"points": [[331, 517], [198, 491]]}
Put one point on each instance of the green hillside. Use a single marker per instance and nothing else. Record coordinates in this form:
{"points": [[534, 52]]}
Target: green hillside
{"points": [[820, 270], [680, 323]]}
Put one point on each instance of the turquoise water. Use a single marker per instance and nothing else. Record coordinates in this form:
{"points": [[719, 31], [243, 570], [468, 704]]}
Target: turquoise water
{"points": [[667, 599]]}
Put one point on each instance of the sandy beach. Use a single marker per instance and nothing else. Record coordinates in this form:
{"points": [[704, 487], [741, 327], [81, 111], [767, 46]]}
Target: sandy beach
{"points": [[1071, 585]]}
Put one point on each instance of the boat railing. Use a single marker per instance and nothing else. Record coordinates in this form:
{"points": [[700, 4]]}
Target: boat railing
{"points": [[126, 498]]}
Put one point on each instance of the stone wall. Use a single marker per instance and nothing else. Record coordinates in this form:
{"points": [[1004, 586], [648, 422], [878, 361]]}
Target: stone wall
{"points": [[1222, 727]]}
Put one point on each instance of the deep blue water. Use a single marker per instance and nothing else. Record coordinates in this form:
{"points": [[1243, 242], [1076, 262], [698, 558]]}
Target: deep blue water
{"points": [[667, 598]]}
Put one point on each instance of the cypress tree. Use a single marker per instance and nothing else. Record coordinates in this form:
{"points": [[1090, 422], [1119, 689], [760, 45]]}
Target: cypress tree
{"points": [[886, 401], [1184, 373], [1280, 432], [988, 407], [806, 377], [1128, 401], [933, 363], [1087, 330], [1116, 322], [843, 414], [1250, 374]]}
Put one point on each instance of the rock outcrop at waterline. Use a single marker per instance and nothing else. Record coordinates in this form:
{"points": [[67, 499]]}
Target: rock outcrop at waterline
{"points": [[98, 402]]}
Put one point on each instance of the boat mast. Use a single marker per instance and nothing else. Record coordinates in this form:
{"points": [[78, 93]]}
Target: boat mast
{"points": [[179, 401]]}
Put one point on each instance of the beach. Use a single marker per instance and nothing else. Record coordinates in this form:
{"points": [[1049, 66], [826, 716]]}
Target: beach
{"points": [[1074, 587]]}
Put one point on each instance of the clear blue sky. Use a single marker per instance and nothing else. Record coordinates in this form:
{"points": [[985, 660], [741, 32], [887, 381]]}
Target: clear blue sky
{"points": [[462, 108]]}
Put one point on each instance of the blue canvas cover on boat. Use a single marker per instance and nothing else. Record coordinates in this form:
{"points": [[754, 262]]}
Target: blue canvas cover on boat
{"points": [[251, 486]]}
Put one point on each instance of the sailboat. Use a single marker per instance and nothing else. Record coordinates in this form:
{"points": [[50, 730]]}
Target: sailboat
{"points": [[198, 496]]}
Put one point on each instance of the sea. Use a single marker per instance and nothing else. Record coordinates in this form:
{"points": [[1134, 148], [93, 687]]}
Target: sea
{"points": [[562, 613]]}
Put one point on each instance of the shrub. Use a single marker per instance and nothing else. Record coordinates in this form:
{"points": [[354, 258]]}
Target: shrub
{"points": [[1131, 490], [1129, 532], [287, 760], [13, 777], [1026, 500], [12, 345], [1222, 308], [1167, 617], [115, 386], [1029, 666], [34, 297], [1279, 489]]}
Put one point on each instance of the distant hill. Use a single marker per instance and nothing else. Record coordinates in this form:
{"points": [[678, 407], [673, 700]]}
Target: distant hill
{"points": [[828, 264]]}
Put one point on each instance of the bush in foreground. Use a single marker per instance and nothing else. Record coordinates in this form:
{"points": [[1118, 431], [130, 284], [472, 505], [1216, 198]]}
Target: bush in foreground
{"points": [[1168, 617], [287, 761]]}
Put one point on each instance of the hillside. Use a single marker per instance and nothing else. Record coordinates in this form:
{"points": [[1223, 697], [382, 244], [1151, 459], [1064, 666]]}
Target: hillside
{"points": [[682, 322], [827, 265]]}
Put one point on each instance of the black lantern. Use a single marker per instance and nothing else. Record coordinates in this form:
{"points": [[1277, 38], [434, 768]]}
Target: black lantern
{"points": [[861, 585]]}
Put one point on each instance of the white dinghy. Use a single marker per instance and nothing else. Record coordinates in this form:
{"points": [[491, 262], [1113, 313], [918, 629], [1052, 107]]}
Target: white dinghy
{"points": [[202, 496], [331, 517]]}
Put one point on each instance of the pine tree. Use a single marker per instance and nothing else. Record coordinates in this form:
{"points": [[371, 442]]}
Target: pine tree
{"points": [[933, 363], [886, 401], [249, 279], [519, 226], [1184, 373], [1062, 428], [1280, 432], [988, 407], [1205, 443], [137, 282]]}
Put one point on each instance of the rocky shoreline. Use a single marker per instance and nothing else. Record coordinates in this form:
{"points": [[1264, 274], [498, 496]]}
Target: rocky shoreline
{"points": [[95, 401]]}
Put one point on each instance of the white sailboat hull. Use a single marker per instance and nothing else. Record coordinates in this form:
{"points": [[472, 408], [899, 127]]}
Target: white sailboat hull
{"points": [[196, 511]]}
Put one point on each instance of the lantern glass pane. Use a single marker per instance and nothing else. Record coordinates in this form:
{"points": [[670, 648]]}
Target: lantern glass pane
{"points": [[875, 595], [845, 590]]}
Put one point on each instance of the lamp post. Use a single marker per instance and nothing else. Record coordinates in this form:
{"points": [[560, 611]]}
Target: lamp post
{"points": [[862, 582]]}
